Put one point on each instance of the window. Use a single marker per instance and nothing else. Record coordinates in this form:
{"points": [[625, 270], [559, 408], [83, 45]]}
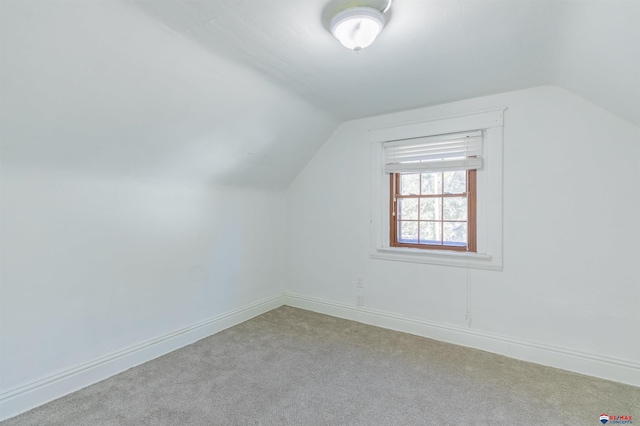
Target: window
{"points": [[433, 210], [436, 194], [433, 191]]}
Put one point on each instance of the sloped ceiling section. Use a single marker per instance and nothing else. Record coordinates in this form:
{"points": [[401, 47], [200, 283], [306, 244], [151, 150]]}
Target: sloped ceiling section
{"points": [[245, 91], [430, 52], [599, 55], [99, 87]]}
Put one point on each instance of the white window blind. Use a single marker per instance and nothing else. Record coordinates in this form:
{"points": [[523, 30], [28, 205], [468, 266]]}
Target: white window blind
{"points": [[455, 151]]}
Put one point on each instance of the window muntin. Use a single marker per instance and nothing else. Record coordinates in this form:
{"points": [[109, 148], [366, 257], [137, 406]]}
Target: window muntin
{"points": [[433, 210]]}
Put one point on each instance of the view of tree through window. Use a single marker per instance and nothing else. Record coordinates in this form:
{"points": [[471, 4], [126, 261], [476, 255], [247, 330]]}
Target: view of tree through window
{"points": [[433, 210]]}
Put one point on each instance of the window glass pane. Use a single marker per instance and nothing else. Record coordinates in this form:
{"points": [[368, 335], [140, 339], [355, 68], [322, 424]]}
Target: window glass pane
{"points": [[407, 209], [455, 233], [432, 183], [431, 209], [430, 233], [455, 182], [410, 184], [455, 208], [408, 231]]}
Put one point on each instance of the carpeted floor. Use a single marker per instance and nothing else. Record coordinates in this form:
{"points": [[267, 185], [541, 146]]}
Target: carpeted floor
{"points": [[294, 367]]}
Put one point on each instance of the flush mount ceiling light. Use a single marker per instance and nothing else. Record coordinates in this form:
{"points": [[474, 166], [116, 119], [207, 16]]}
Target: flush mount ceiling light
{"points": [[358, 27]]}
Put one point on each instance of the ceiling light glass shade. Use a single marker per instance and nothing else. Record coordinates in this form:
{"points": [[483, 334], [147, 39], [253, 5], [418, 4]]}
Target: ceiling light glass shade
{"points": [[357, 27]]}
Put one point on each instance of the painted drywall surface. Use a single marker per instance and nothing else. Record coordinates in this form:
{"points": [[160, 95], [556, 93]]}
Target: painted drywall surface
{"points": [[119, 138], [431, 52], [92, 266], [101, 88], [571, 274], [607, 31]]}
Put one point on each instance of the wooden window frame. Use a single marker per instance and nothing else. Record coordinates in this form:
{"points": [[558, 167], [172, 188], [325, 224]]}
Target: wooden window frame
{"points": [[394, 183]]}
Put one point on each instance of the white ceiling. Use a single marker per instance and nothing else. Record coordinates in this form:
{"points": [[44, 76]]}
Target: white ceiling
{"points": [[245, 91], [430, 52], [599, 56], [98, 87]]}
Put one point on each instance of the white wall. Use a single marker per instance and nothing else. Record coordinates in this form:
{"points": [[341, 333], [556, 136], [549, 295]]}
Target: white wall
{"points": [[93, 265], [143, 182], [571, 202]]}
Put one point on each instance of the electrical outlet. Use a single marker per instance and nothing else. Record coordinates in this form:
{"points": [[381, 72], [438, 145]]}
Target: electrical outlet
{"points": [[360, 299], [359, 282]]}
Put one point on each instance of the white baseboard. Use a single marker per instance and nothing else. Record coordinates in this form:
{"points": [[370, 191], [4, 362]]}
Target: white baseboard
{"points": [[24, 398], [592, 365], [31, 395]]}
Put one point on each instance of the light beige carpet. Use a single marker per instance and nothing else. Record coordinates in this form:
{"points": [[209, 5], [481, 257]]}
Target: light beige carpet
{"points": [[294, 367]]}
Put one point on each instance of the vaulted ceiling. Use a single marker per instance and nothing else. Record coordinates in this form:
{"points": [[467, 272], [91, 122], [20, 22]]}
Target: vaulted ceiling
{"points": [[245, 91]]}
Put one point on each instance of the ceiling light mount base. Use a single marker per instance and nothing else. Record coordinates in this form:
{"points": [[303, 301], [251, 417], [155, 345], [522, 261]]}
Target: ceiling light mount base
{"points": [[357, 27]]}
